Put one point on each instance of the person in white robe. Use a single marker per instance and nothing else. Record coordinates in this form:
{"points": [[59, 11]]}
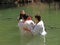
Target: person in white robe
{"points": [[39, 27], [28, 23]]}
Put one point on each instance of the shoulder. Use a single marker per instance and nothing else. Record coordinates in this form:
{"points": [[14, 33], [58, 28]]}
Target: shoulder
{"points": [[20, 20], [41, 22], [29, 21]]}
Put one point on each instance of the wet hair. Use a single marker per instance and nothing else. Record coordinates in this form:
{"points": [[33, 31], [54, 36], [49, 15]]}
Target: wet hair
{"points": [[21, 15], [25, 16], [38, 17]]}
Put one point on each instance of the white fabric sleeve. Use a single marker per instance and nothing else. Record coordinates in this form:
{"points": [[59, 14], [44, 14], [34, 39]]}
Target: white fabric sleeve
{"points": [[36, 29]]}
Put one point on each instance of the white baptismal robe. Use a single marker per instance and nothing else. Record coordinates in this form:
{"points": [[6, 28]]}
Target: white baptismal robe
{"points": [[28, 23], [20, 25], [39, 29]]}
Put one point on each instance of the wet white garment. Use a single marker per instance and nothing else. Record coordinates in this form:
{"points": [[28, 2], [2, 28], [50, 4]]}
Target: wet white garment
{"points": [[39, 29], [21, 25], [28, 23]]}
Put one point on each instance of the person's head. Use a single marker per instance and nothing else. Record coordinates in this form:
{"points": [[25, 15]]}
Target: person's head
{"points": [[22, 12], [37, 18], [24, 17]]}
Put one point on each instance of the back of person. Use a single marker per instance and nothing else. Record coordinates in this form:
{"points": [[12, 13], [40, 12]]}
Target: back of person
{"points": [[29, 24], [42, 28]]}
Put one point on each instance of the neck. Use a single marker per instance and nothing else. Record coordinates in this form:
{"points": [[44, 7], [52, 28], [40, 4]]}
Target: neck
{"points": [[37, 22]]}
